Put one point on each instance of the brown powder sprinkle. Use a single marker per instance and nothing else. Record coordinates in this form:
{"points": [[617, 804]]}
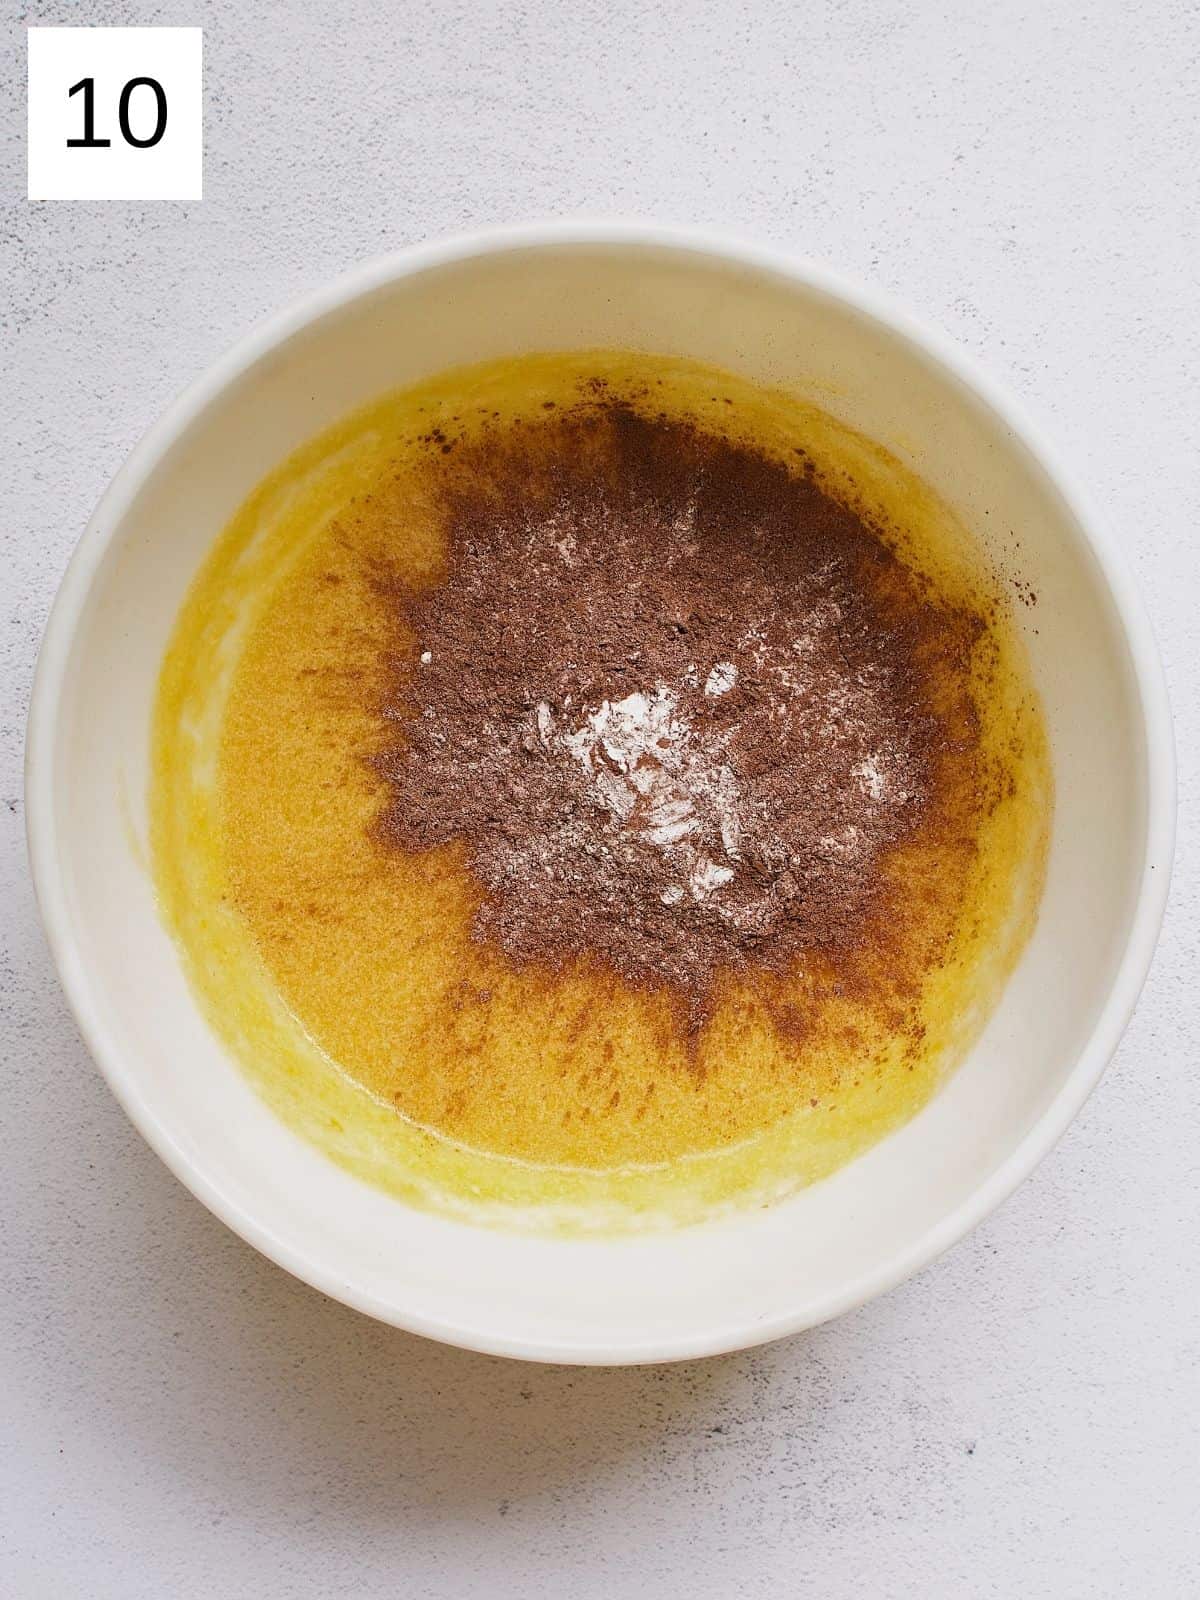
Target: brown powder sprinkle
{"points": [[676, 702]]}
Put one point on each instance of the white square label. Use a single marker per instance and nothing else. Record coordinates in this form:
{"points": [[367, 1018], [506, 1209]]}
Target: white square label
{"points": [[115, 114]]}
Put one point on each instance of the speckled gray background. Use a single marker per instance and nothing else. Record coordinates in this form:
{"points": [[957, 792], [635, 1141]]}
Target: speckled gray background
{"points": [[178, 1417]]}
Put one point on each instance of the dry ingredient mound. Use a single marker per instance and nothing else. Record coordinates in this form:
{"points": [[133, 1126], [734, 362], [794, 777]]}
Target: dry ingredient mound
{"points": [[672, 698]]}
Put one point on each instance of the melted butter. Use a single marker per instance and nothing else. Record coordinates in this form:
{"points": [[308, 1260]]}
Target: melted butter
{"points": [[345, 979]]}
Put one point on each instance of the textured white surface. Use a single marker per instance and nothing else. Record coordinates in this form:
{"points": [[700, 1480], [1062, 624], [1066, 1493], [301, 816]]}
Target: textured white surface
{"points": [[179, 1417]]}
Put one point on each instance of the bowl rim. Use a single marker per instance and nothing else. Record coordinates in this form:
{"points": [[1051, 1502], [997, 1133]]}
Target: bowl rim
{"points": [[1159, 823]]}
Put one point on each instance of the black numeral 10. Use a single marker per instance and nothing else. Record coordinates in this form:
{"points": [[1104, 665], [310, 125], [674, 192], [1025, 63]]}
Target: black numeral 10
{"points": [[90, 141]]}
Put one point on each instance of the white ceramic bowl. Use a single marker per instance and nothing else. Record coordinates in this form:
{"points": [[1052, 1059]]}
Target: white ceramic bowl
{"points": [[709, 1288]]}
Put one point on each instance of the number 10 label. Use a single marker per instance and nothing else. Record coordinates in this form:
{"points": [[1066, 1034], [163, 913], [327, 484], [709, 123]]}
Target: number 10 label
{"points": [[115, 114]]}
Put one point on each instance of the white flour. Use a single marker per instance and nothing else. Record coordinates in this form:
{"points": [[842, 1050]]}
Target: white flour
{"points": [[657, 778]]}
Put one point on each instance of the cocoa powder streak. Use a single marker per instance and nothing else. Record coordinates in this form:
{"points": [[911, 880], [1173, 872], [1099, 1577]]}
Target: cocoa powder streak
{"points": [[672, 698]]}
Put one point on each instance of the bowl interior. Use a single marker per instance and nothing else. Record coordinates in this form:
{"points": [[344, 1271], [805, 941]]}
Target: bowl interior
{"points": [[706, 1288]]}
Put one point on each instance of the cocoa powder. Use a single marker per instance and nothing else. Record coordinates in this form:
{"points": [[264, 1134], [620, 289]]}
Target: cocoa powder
{"points": [[672, 698]]}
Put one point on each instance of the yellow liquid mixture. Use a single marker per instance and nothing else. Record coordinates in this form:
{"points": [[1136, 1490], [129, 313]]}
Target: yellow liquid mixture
{"points": [[345, 977]]}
